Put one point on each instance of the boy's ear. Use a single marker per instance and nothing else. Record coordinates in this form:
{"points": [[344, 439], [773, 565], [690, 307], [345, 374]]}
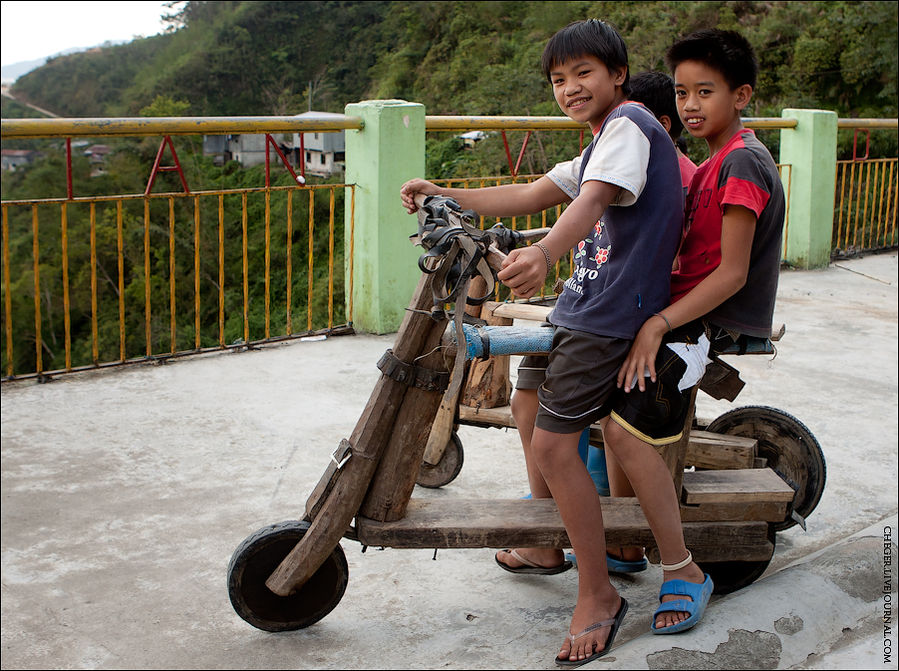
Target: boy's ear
{"points": [[665, 120], [743, 94], [619, 75]]}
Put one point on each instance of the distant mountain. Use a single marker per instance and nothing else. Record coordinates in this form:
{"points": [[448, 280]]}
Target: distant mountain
{"points": [[12, 72]]}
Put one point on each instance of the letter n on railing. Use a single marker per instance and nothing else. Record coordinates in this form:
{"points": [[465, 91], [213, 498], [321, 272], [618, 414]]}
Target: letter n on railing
{"points": [[157, 168]]}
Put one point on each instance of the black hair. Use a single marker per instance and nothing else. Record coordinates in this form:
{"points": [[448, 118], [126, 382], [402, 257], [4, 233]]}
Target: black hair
{"points": [[724, 50], [656, 91], [587, 38]]}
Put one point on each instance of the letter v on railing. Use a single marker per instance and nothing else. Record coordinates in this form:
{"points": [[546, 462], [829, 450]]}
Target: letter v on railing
{"points": [[167, 140]]}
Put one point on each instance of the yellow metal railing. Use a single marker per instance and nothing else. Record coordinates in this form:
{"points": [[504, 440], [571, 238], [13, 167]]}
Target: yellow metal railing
{"points": [[179, 278], [865, 216], [142, 264]]}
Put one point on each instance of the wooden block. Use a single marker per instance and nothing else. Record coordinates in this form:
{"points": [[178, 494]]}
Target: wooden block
{"points": [[488, 383], [731, 486], [487, 417], [529, 311], [720, 451]]}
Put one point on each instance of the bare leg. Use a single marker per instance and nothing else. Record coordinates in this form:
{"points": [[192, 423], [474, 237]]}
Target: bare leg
{"points": [[579, 505], [524, 410], [654, 487], [620, 486]]}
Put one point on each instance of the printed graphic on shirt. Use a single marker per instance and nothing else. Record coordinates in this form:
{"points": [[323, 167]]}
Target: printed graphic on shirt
{"points": [[589, 258]]}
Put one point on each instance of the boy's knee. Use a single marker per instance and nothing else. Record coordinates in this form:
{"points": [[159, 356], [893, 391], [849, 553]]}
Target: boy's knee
{"points": [[524, 406]]}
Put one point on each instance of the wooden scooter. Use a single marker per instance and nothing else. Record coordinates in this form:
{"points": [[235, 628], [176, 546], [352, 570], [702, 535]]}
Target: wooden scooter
{"points": [[290, 575]]}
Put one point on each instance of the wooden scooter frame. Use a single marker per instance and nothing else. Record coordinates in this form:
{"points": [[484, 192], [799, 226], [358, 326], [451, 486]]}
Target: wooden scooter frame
{"points": [[366, 495]]}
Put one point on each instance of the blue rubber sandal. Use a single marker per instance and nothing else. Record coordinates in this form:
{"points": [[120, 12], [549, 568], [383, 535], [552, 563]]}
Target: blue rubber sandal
{"points": [[616, 565], [624, 566], [700, 595]]}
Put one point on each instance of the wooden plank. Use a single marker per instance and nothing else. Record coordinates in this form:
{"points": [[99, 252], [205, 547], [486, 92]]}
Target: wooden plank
{"points": [[705, 450], [536, 523], [529, 311], [745, 485]]}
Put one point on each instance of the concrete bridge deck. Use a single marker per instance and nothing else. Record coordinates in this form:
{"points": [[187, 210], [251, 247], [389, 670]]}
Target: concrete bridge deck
{"points": [[125, 492]]}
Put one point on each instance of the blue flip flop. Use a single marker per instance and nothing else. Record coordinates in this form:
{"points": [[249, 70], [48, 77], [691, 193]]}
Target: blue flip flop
{"points": [[616, 565], [700, 595]]}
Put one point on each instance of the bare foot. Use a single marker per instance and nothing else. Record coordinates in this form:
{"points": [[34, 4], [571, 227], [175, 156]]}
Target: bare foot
{"points": [[592, 623]]}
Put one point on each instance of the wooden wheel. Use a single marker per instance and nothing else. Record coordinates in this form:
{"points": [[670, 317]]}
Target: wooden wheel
{"points": [[446, 470], [253, 562], [788, 446]]}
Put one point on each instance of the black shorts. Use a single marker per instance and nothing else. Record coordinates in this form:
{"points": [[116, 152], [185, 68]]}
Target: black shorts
{"points": [[580, 378], [657, 415]]}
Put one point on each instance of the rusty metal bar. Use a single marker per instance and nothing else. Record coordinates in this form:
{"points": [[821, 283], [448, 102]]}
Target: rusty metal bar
{"points": [[172, 327], [66, 314], [144, 127], [221, 270], [95, 335], [7, 297], [331, 259], [35, 255], [268, 261], [289, 261], [310, 264], [246, 273], [147, 289], [120, 258], [197, 339]]}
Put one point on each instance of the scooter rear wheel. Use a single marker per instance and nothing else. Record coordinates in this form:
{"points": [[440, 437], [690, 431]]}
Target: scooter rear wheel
{"points": [[445, 470], [791, 451]]}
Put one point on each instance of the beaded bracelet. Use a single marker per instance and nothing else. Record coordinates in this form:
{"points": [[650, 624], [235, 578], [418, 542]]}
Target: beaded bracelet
{"points": [[659, 314], [545, 251]]}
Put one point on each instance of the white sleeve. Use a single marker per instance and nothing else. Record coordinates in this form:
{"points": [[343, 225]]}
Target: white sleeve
{"points": [[620, 157], [565, 175]]}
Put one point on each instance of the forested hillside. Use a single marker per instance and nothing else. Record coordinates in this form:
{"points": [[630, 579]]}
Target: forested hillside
{"points": [[255, 58], [282, 58]]}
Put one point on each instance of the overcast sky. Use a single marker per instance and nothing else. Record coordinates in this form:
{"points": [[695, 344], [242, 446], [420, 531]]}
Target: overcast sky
{"points": [[32, 30]]}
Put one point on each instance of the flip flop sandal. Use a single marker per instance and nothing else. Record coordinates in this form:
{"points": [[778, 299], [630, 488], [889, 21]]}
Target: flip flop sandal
{"points": [[530, 568], [615, 623], [700, 595]]}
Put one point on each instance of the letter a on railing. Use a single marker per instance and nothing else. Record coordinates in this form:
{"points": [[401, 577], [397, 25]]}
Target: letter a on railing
{"points": [[157, 168]]}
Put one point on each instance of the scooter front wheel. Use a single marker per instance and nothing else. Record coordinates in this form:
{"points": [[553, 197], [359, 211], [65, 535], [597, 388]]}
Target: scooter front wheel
{"points": [[254, 561]]}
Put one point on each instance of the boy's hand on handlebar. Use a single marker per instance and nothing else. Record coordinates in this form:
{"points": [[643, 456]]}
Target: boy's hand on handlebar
{"points": [[415, 187], [524, 271]]}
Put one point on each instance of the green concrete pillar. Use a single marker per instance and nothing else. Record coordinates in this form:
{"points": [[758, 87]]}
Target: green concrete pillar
{"points": [[380, 158], [811, 150]]}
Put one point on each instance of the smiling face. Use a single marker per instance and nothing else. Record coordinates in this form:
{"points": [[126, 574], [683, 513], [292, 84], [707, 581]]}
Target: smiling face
{"points": [[707, 105], [586, 90]]}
